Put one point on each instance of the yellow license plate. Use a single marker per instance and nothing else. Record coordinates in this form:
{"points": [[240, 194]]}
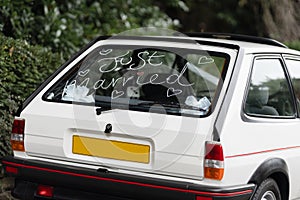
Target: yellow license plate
{"points": [[111, 149]]}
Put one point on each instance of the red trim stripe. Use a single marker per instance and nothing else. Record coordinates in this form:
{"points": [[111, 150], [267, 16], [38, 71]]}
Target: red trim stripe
{"points": [[130, 182], [260, 152]]}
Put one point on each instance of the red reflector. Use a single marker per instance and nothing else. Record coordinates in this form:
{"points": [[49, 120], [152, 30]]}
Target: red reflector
{"points": [[45, 191], [12, 170], [214, 152], [203, 198]]}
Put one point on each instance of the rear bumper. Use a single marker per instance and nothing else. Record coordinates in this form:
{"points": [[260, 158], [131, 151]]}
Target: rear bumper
{"points": [[80, 183]]}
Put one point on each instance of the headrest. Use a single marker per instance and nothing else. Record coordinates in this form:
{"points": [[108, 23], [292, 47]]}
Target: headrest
{"points": [[258, 96]]}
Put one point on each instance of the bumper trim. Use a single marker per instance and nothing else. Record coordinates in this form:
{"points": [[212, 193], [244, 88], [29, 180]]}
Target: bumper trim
{"points": [[186, 188]]}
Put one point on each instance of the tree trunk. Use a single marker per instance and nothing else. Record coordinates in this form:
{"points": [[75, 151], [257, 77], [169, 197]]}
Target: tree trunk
{"points": [[280, 19]]}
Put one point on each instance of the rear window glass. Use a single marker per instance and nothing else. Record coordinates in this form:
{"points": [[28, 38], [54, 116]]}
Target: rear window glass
{"points": [[179, 81]]}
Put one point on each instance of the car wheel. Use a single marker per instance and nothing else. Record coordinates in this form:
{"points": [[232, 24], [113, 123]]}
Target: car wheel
{"points": [[268, 190]]}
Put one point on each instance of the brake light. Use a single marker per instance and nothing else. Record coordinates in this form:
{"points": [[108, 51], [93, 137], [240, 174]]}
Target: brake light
{"points": [[44, 191], [213, 161], [17, 135]]}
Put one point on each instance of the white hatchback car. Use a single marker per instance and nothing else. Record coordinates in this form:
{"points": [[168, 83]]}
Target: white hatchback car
{"points": [[203, 117]]}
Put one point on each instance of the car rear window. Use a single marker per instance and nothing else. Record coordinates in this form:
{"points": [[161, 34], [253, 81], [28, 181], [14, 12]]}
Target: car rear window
{"points": [[178, 81]]}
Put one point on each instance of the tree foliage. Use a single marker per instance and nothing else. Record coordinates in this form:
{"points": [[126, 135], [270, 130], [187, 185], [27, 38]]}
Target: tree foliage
{"points": [[64, 26], [23, 68]]}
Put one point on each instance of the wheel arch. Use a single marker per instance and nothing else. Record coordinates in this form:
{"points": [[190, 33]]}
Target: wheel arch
{"points": [[277, 169]]}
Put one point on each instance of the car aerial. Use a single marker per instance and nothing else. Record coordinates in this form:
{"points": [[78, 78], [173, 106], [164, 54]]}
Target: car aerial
{"points": [[198, 117]]}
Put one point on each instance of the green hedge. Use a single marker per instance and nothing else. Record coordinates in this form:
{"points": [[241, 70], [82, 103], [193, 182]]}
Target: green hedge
{"points": [[22, 68]]}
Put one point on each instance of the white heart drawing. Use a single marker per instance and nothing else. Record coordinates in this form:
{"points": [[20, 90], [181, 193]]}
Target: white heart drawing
{"points": [[104, 52], [205, 60], [115, 94], [172, 92], [83, 73]]}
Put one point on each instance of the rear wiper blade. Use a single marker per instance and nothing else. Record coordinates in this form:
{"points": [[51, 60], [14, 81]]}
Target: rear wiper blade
{"points": [[151, 103], [145, 103], [159, 104], [171, 106]]}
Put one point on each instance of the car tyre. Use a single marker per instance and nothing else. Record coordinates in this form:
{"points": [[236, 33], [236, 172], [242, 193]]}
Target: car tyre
{"points": [[267, 190]]}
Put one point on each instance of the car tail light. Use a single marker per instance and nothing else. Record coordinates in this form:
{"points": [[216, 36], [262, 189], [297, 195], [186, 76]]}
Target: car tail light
{"points": [[213, 161], [17, 135], [44, 191]]}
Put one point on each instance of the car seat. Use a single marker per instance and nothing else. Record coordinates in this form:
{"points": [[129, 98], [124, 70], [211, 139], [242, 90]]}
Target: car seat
{"points": [[257, 102]]}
